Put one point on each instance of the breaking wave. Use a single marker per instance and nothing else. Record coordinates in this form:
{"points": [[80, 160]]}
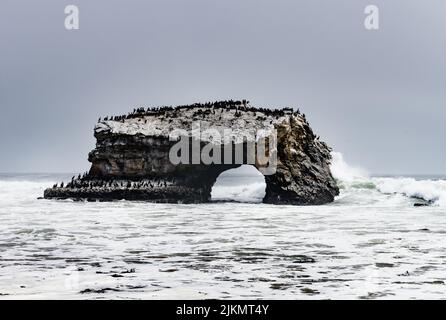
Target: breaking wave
{"points": [[351, 179], [432, 191], [251, 193]]}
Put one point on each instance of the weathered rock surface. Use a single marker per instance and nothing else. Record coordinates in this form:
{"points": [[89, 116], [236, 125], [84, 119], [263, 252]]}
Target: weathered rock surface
{"points": [[131, 159]]}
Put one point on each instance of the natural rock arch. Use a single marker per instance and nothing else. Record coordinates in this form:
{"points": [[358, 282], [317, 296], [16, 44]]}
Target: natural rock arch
{"points": [[131, 159]]}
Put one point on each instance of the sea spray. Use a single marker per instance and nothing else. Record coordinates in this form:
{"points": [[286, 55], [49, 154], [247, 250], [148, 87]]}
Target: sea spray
{"points": [[344, 172]]}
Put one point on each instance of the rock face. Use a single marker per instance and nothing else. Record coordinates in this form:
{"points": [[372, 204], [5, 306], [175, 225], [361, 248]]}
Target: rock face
{"points": [[133, 155]]}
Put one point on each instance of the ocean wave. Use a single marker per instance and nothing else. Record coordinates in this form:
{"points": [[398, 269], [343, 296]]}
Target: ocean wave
{"points": [[344, 172], [432, 191], [252, 193], [350, 178], [15, 191]]}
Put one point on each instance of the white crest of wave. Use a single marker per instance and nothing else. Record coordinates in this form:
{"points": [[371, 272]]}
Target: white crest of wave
{"points": [[433, 191], [252, 193], [350, 178]]}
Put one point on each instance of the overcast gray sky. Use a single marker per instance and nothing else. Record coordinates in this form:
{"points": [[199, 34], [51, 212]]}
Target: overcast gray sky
{"points": [[376, 96]]}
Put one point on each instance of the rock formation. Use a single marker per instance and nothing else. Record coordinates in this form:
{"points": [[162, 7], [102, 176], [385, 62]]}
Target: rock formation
{"points": [[132, 159]]}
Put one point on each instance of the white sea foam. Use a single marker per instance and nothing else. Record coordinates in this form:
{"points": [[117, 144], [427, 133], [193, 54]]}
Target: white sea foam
{"points": [[251, 193], [352, 177], [433, 191], [361, 245]]}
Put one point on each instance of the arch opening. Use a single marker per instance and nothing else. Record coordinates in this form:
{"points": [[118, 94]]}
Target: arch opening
{"points": [[242, 184]]}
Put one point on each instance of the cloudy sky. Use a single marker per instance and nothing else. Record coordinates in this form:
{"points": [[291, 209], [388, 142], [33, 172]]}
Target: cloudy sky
{"points": [[376, 96]]}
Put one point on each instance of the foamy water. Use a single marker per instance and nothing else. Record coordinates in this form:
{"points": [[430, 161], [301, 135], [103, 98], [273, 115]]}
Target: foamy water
{"points": [[370, 243]]}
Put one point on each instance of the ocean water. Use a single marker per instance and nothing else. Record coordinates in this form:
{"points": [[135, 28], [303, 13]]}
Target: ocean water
{"points": [[371, 243]]}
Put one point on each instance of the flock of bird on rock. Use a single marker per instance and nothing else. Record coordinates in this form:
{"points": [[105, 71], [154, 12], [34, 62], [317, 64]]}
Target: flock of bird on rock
{"points": [[84, 182], [237, 105]]}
